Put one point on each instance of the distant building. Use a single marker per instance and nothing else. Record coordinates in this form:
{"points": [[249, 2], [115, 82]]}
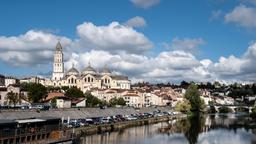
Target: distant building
{"points": [[85, 80], [2, 79], [9, 80], [15, 89], [80, 102], [32, 79], [58, 100]]}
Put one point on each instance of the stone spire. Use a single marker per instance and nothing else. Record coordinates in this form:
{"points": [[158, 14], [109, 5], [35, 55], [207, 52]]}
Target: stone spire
{"points": [[58, 46]]}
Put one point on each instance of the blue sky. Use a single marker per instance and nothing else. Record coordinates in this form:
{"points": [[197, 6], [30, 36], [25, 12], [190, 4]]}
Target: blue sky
{"points": [[205, 25]]}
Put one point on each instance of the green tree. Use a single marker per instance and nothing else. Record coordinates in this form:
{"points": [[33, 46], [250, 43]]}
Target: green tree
{"points": [[183, 106], [193, 96], [22, 97], [36, 92], [13, 98], [121, 101], [224, 109], [92, 101], [53, 89], [65, 88], [54, 102], [253, 113], [117, 101], [74, 92]]}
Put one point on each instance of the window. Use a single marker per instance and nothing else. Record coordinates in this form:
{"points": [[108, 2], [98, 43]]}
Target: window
{"points": [[85, 80], [72, 80], [89, 80]]}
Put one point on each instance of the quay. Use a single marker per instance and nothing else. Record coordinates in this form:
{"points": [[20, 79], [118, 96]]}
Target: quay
{"points": [[94, 129], [30, 126]]}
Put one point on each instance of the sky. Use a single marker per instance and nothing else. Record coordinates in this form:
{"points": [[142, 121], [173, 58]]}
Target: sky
{"points": [[147, 40]]}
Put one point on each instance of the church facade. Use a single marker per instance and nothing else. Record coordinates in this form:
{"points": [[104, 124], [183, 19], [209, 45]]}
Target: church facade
{"points": [[85, 80]]}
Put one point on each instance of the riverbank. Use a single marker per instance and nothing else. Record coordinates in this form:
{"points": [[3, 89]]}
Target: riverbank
{"points": [[94, 129]]}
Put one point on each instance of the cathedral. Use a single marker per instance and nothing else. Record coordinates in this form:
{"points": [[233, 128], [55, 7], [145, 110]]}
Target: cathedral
{"points": [[85, 80]]}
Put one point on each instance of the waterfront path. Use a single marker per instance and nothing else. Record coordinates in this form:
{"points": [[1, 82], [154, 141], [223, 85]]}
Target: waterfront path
{"points": [[76, 113]]}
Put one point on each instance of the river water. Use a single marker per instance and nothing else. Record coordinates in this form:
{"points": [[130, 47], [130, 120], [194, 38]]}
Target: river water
{"points": [[207, 129]]}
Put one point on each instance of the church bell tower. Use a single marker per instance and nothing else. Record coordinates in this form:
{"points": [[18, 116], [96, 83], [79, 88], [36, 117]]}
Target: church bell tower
{"points": [[58, 65]]}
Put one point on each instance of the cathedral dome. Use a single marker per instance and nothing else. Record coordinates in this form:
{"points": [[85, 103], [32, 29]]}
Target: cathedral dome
{"points": [[72, 71], [89, 70], [106, 70]]}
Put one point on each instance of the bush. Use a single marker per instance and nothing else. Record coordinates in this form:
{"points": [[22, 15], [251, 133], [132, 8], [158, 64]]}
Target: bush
{"points": [[253, 113], [183, 106], [224, 109]]}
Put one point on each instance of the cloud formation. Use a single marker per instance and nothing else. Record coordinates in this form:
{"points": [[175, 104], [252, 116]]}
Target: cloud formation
{"points": [[145, 3], [186, 44], [123, 49], [32, 48], [136, 22], [243, 16], [115, 38]]}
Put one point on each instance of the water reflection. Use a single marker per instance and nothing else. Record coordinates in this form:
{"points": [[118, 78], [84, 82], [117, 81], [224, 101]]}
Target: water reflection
{"points": [[207, 129]]}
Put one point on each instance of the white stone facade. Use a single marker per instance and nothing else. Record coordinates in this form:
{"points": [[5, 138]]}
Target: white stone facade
{"points": [[86, 79]]}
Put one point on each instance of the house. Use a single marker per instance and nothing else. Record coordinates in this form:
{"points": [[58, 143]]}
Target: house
{"points": [[58, 100], [63, 102], [108, 94], [80, 102], [2, 79], [132, 100], [9, 80], [15, 88]]}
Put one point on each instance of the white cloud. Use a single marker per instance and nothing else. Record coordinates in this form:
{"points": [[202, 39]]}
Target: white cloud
{"points": [[122, 48], [32, 48], [145, 3], [136, 22], [243, 16], [186, 44], [115, 38], [166, 66]]}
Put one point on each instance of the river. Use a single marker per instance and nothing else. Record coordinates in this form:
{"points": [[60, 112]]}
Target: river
{"points": [[206, 129]]}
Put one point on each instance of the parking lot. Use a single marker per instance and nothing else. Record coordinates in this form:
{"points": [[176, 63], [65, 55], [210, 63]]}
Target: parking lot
{"points": [[81, 122], [78, 113]]}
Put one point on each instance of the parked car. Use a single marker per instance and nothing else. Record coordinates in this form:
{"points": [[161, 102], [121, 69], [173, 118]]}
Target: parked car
{"points": [[104, 120], [129, 117], [89, 121], [96, 120]]}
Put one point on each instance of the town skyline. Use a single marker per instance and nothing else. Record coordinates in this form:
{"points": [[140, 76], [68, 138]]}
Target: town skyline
{"points": [[145, 40]]}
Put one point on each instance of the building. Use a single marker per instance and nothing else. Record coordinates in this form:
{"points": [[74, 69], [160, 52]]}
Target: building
{"points": [[9, 80], [85, 80], [80, 102], [58, 100], [15, 89], [32, 79], [108, 94], [2, 79]]}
